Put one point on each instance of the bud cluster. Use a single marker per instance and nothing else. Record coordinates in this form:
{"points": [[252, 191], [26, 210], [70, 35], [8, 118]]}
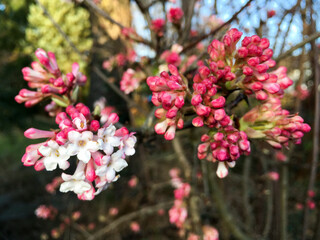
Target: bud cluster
{"points": [[47, 80], [168, 91], [100, 150], [274, 124], [224, 146]]}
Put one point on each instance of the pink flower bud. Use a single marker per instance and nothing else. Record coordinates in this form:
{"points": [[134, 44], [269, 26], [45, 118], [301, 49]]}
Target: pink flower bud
{"points": [[202, 110], [39, 166], [197, 122], [196, 100], [161, 127], [222, 170], [218, 136], [61, 138], [203, 147], [90, 171], [261, 95], [172, 112], [34, 133], [311, 193], [219, 102], [204, 72], [242, 52], [170, 133], [274, 176], [219, 114], [280, 156], [180, 123], [254, 61], [244, 145], [60, 116], [247, 71], [246, 41], [94, 125], [264, 43], [297, 134]]}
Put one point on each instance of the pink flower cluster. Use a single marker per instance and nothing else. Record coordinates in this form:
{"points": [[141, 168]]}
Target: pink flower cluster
{"points": [[55, 183], [275, 124], [45, 77], [46, 212], [168, 91], [179, 213], [175, 15], [209, 233], [130, 80], [80, 135], [158, 25], [226, 146], [229, 68], [120, 60]]}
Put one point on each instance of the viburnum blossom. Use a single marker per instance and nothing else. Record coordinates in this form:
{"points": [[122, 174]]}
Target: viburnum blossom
{"points": [[46, 212], [175, 15], [47, 80], [130, 80], [157, 26], [233, 72], [169, 92], [100, 148]]}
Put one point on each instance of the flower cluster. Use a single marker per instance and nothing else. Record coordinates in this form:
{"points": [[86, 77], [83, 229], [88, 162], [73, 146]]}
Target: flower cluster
{"points": [[131, 80], [157, 26], [120, 60], [209, 233], [230, 68], [46, 212], [100, 150], [47, 80], [179, 213], [226, 146], [274, 124], [175, 15], [169, 91]]}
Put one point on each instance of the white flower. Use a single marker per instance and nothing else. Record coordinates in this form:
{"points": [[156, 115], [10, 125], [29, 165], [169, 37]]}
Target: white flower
{"points": [[81, 144], [107, 140], [127, 144], [54, 155], [80, 122], [115, 164], [75, 182]]}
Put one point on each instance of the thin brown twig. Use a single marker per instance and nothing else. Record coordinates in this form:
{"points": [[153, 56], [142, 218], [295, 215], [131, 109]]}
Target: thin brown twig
{"points": [[102, 13], [181, 157], [128, 217], [299, 45], [212, 32]]}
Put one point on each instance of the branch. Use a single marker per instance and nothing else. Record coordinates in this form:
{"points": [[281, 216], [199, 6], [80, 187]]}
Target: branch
{"points": [[99, 11], [299, 45], [128, 217], [181, 157], [212, 32], [221, 206]]}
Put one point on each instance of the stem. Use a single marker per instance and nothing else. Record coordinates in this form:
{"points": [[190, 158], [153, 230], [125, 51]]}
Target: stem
{"points": [[212, 32], [284, 202], [245, 188], [220, 204], [181, 157]]}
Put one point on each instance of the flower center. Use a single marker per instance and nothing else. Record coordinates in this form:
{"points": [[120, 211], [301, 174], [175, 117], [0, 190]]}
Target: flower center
{"points": [[81, 143]]}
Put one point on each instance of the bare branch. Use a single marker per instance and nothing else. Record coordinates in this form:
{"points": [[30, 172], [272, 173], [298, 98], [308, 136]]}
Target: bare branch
{"points": [[299, 45], [128, 217], [212, 32]]}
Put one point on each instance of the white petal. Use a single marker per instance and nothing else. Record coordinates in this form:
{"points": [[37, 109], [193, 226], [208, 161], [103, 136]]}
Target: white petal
{"points": [[84, 155], [66, 187], [72, 149], [87, 135], [53, 144], [49, 164], [119, 165], [231, 164], [108, 149], [110, 175], [130, 151], [64, 165], [81, 186], [92, 146], [66, 177], [101, 171], [114, 141], [45, 151], [74, 136]]}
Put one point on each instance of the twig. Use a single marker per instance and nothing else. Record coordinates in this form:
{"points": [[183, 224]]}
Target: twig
{"points": [[65, 36], [299, 45], [284, 202], [315, 152], [81, 229], [225, 216], [99, 11], [245, 188], [212, 32], [181, 157], [128, 217]]}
